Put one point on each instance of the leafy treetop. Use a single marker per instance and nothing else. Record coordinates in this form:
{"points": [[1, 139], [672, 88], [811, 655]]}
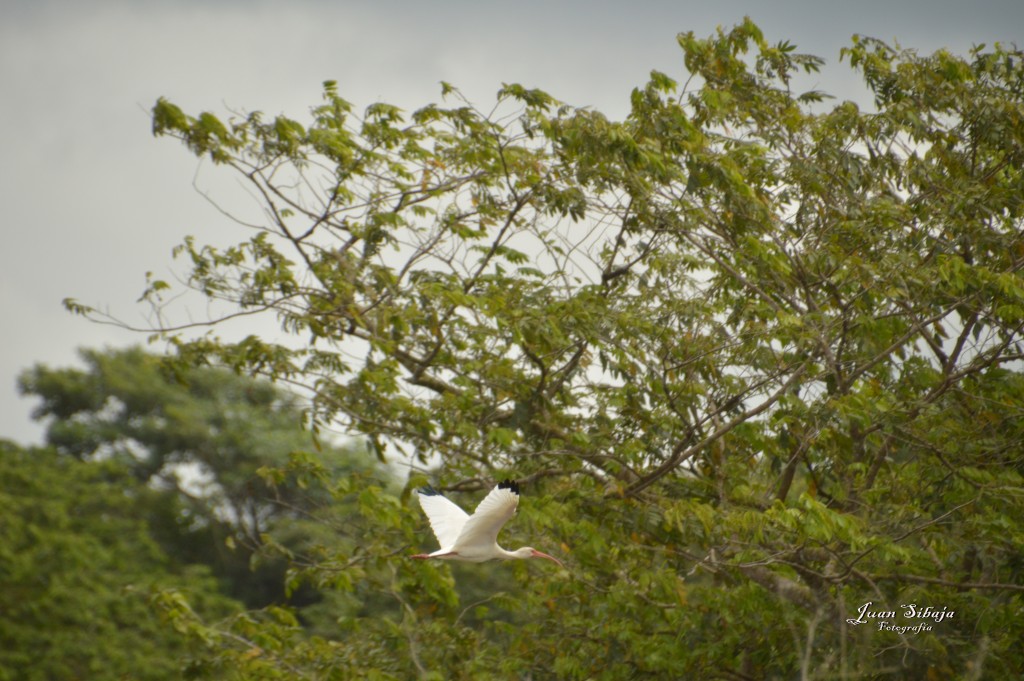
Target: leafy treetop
{"points": [[759, 356]]}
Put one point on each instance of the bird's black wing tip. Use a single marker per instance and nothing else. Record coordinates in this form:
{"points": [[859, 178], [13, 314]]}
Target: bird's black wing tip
{"points": [[510, 485], [429, 491]]}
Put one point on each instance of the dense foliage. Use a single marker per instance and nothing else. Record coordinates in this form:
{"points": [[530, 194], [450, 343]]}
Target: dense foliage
{"points": [[755, 356], [78, 567], [208, 447]]}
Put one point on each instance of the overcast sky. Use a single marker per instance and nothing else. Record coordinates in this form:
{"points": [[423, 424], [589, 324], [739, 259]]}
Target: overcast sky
{"points": [[90, 201]]}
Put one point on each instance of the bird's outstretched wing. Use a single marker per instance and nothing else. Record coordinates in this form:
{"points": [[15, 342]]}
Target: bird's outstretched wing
{"points": [[493, 512], [446, 518]]}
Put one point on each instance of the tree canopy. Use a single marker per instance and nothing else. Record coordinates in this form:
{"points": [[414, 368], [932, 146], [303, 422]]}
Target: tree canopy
{"points": [[754, 354], [132, 407], [78, 567], [209, 448]]}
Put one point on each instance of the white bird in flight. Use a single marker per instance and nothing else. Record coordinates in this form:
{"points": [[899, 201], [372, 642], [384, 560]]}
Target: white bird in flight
{"points": [[474, 538]]}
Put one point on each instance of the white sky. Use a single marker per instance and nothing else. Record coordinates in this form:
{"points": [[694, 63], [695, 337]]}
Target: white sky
{"points": [[90, 201]]}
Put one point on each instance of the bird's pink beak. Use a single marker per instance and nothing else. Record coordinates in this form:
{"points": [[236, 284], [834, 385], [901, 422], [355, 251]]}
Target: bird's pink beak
{"points": [[541, 554]]}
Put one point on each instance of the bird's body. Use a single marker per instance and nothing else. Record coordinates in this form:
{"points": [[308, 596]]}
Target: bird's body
{"points": [[474, 538]]}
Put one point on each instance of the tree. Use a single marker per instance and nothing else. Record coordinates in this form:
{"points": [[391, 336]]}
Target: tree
{"points": [[77, 569], [755, 357], [128, 406], [208, 445]]}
